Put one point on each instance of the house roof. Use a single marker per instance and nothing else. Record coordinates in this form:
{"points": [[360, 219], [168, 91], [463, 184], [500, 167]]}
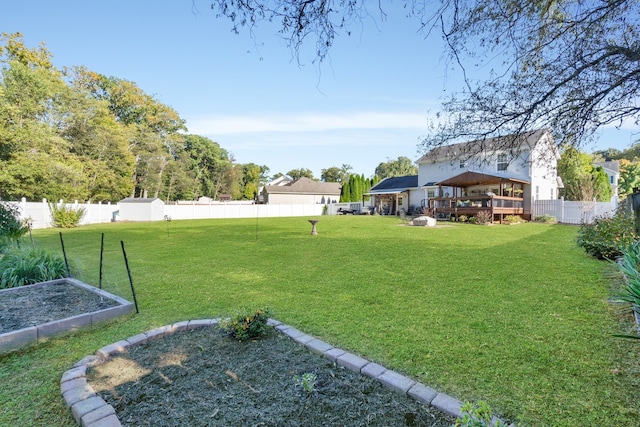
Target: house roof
{"points": [[395, 184], [466, 150], [469, 178], [305, 186], [612, 165]]}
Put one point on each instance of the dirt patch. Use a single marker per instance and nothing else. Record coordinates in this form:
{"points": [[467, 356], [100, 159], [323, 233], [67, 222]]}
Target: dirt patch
{"points": [[203, 378], [34, 305]]}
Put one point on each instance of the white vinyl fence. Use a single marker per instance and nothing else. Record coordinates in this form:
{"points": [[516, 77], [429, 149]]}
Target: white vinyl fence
{"points": [[39, 215], [573, 212]]}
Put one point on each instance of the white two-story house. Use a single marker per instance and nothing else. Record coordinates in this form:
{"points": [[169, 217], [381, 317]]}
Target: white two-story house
{"points": [[500, 175]]}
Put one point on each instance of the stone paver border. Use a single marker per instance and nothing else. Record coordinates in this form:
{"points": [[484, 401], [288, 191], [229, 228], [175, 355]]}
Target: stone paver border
{"points": [[90, 410], [14, 340]]}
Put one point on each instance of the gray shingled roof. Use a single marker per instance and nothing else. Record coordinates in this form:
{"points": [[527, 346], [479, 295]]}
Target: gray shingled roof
{"points": [[395, 184], [612, 165], [305, 186], [464, 150]]}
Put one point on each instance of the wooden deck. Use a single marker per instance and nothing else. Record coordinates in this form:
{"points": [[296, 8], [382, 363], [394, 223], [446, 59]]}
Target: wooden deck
{"points": [[498, 206]]}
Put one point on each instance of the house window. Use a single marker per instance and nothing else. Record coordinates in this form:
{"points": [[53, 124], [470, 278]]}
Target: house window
{"points": [[463, 164], [537, 192], [502, 162], [611, 179], [431, 193], [552, 194]]}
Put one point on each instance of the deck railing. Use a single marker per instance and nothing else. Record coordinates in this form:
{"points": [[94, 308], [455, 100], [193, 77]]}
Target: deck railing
{"points": [[497, 205]]}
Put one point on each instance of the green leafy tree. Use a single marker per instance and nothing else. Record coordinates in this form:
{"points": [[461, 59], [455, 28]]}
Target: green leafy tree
{"points": [[251, 174], [336, 174], [582, 180], [402, 166], [299, 173], [211, 165], [34, 159], [629, 176], [154, 126]]}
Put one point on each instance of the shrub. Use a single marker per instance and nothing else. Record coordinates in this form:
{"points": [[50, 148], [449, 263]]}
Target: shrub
{"points": [[463, 218], [247, 325], [11, 227], [606, 237], [26, 266], [512, 219], [546, 218], [64, 216], [484, 217]]}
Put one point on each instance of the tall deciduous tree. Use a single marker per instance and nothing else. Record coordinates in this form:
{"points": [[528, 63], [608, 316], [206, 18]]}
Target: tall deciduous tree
{"points": [[336, 174], [35, 160], [629, 176], [400, 167], [299, 173], [582, 180]]}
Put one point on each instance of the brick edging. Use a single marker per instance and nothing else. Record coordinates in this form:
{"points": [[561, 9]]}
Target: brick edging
{"points": [[90, 410]]}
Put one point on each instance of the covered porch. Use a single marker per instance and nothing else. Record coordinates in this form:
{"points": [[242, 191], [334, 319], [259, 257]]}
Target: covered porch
{"points": [[472, 192], [391, 196]]}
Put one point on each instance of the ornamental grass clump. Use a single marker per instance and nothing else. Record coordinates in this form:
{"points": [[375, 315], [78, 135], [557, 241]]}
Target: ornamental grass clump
{"points": [[63, 216], [247, 325], [27, 266], [629, 265], [483, 218]]}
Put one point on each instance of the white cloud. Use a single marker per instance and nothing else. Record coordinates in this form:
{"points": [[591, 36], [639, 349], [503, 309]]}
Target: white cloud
{"points": [[218, 125]]}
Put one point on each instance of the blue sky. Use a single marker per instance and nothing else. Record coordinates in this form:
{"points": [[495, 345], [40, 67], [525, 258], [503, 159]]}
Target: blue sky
{"points": [[367, 103]]}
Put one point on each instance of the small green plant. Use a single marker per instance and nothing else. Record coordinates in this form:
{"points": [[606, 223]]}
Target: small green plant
{"points": [[477, 415], [64, 216], [463, 218], [606, 236], [247, 325], [307, 381], [546, 218], [27, 266]]}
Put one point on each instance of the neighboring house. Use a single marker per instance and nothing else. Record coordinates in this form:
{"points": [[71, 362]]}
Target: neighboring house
{"points": [[612, 169], [497, 175], [280, 181], [393, 194], [464, 178], [302, 191], [140, 209]]}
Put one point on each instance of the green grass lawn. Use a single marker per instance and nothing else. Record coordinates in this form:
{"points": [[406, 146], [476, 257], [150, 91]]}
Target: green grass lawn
{"points": [[514, 315]]}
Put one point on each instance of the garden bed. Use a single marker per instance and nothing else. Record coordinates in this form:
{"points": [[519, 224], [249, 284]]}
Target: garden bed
{"points": [[34, 312], [191, 373]]}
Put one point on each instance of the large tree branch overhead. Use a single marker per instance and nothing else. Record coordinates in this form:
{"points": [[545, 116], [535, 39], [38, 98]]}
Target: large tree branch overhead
{"points": [[572, 66]]}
